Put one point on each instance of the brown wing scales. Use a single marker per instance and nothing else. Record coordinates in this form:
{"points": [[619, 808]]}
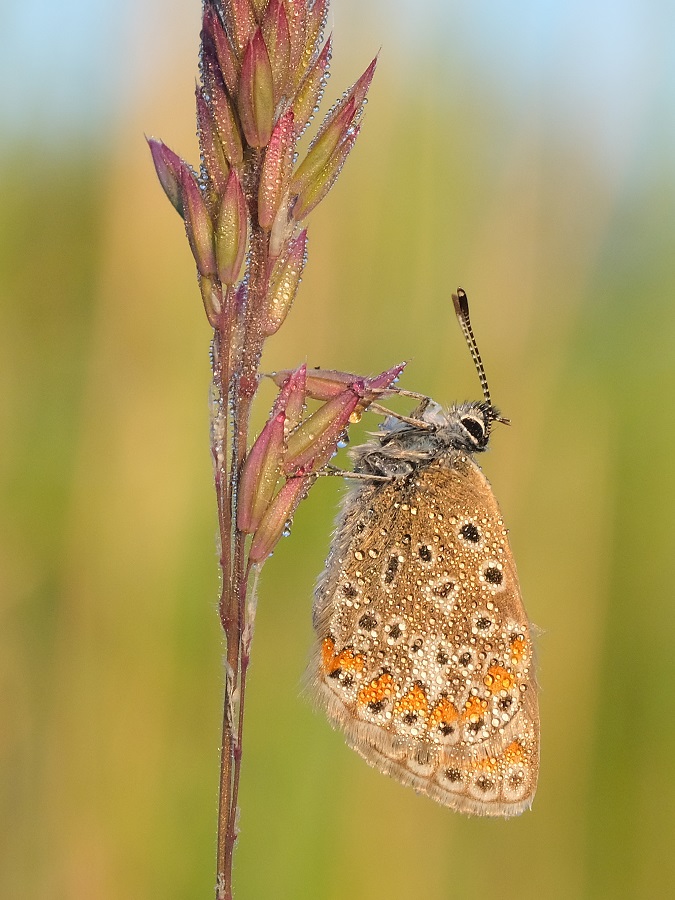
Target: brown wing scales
{"points": [[424, 653]]}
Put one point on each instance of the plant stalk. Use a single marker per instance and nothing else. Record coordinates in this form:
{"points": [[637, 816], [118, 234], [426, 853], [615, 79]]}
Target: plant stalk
{"points": [[244, 349]]}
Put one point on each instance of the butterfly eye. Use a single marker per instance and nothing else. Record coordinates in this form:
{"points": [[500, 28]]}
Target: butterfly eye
{"points": [[475, 428]]}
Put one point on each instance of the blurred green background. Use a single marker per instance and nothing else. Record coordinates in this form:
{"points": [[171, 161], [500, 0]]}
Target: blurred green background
{"points": [[526, 154]]}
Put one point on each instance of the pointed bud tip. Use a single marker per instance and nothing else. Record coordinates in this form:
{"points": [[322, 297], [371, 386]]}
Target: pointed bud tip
{"points": [[168, 166]]}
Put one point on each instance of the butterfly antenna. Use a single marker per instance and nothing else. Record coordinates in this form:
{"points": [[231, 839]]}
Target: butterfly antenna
{"points": [[461, 304]]}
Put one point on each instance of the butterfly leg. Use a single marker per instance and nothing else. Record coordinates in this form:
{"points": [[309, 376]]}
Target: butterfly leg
{"points": [[346, 473], [418, 423]]}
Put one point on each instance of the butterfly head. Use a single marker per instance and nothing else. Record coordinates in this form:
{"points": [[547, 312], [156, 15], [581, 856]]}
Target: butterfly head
{"points": [[465, 426]]}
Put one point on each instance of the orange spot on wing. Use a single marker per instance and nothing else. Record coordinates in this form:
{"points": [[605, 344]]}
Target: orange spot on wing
{"points": [[327, 651], [381, 688], [487, 764], [444, 713], [473, 709], [346, 660], [498, 679], [514, 753], [518, 648], [415, 701]]}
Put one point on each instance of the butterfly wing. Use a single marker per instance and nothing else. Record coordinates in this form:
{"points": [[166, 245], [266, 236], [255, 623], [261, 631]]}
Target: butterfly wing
{"points": [[424, 653]]}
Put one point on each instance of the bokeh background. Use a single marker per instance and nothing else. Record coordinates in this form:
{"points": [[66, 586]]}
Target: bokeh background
{"points": [[525, 151]]}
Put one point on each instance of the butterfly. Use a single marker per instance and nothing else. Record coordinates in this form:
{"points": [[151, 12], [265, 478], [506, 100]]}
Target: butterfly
{"points": [[423, 653]]}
